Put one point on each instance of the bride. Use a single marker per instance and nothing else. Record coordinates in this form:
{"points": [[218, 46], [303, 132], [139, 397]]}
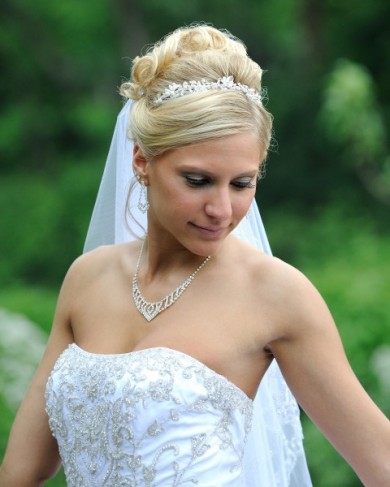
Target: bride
{"points": [[169, 355]]}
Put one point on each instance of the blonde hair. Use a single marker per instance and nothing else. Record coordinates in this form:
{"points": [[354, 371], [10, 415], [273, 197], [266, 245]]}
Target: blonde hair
{"points": [[191, 54]]}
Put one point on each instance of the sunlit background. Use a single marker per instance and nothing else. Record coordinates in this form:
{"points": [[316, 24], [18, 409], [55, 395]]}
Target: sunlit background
{"points": [[325, 199]]}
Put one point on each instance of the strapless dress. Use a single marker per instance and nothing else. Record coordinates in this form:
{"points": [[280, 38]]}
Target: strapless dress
{"points": [[152, 417]]}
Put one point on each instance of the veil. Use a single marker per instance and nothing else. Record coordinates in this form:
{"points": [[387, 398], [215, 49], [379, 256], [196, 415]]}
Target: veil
{"points": [[274, 455]]}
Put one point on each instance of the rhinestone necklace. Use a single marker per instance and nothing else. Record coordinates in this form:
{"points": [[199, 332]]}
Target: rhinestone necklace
{"points": [[151, 309]]}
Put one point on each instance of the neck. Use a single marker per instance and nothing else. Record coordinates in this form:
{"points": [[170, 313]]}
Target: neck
{"points": [[161, 259]]}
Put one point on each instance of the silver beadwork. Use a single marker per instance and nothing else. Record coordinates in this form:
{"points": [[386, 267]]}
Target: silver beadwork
{"points": [[123, 419], [151, 309], [143, 203], [176, 90]]}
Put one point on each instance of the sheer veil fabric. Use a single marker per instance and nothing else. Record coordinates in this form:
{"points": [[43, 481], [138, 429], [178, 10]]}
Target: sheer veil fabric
{"points": [[274, 453]]}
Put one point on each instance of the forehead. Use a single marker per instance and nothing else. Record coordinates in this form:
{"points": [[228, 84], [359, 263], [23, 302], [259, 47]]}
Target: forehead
{"points": [[235, 151]]}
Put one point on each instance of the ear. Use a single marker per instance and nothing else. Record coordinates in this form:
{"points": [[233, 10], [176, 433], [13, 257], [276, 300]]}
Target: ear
{"points": [[140, 165]]}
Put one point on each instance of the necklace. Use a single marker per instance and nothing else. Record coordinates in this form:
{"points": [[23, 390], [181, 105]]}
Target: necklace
{"points": [[151, 309]]}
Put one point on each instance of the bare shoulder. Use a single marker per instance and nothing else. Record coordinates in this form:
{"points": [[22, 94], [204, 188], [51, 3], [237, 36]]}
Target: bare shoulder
{"points": [[283, 279], [265, 268], [99, 261], [290, 298], [87, 273], [298, 300]]}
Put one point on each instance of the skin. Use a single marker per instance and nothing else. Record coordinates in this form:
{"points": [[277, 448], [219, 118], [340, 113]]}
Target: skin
{"points": [[198, 194]]}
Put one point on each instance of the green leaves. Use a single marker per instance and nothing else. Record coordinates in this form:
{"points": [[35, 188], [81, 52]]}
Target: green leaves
{"points": [[352, 118], [351, 114]]}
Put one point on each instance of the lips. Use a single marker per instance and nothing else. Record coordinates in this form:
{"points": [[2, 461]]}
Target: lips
{"points": [[209, 231]]}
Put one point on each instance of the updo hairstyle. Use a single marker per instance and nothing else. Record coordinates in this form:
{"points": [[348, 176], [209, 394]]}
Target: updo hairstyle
{"points": [[192, 54]]}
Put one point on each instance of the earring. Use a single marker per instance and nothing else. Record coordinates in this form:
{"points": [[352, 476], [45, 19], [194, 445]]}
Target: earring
{"points": [[143, 203]]}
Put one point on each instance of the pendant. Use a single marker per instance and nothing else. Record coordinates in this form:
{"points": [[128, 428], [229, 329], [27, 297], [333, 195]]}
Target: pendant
{"points": [[150, 310]]}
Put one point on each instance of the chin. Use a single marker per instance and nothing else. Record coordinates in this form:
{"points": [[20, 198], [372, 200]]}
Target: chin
{"points": [[205, 248]]}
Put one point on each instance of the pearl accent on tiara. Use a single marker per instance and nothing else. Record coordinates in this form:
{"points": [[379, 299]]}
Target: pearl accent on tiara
{"points": [[177, 90]]}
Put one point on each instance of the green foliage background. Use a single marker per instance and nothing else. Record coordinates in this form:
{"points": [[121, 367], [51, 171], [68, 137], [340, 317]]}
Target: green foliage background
{"points": [[326, 196]]}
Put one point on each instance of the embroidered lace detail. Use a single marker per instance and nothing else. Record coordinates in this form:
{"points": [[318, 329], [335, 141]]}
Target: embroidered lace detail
{"points": [[148, 418]]}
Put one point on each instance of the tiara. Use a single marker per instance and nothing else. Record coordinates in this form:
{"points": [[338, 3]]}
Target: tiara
{"points": [[176, 90]]}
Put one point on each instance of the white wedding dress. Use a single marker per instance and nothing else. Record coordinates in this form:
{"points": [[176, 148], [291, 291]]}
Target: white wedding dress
{"points": [[153, 417]]}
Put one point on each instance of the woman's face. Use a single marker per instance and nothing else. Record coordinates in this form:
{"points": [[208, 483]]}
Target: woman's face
{"points": [[199, 193]]}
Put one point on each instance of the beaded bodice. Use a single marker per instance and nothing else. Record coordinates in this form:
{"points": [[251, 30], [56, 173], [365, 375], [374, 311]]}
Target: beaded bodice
{"points": [[153, 417]]}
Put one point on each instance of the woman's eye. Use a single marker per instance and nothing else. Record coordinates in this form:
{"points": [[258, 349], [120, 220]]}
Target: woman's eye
{"points": [[196, 181], [243, 184]]}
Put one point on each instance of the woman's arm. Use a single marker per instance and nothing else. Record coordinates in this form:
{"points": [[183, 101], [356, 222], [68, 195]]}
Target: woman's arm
{"points": [[313, 361], [32, 454]]}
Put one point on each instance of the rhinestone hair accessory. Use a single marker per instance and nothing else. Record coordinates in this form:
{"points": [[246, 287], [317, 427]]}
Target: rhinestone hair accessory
{"points": [[176, 90]]}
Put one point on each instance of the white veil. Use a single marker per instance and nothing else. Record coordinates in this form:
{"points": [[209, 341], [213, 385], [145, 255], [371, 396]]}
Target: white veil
{"points": [[274, 454]]}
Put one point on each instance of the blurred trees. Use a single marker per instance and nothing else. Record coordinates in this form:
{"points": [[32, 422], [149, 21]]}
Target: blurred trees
{"points": [[362, 136], [62, 64], [326, 196]]}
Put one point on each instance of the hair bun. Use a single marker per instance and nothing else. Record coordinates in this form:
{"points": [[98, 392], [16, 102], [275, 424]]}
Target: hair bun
{"points": [[200, 39]]}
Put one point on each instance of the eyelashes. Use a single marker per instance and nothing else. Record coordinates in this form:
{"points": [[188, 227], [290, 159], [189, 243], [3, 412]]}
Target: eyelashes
{"points": [[196, 182], [243, 184]]}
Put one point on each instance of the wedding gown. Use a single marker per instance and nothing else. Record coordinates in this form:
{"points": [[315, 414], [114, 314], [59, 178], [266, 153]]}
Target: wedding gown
{"points": [[152, 417]]}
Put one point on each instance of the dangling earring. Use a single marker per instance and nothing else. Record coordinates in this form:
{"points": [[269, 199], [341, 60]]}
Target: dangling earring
{"points": [[143, 203]]}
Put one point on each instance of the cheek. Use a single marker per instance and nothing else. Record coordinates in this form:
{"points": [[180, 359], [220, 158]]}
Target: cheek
{"points": [[174, 202], [186, 205], [242, 205]]}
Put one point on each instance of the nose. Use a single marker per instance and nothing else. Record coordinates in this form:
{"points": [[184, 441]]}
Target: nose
{"points": [[219, 204]]}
